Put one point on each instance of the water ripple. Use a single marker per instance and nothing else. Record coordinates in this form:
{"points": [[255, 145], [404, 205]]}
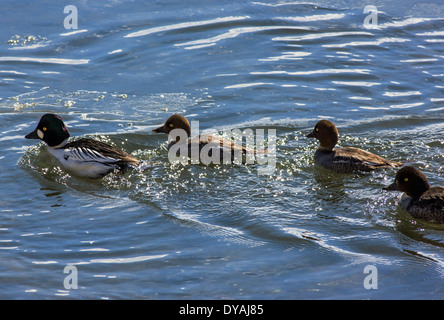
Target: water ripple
{"points": [[377, 42], [184, 25], [321, 35], [312, 18], [47, 60], [232, 33], [312, 72], [219, 231], [406, 22], [122, 260]]}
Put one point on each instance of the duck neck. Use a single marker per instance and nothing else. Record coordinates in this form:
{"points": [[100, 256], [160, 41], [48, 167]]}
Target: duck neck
{"points": [[326, 149], [60, 145], [418, 190]]}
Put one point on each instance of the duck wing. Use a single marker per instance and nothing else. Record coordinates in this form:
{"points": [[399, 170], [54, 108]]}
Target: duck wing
{"points": [[225, 144], [96, 151], [364, 160], [429, 206], [436, 196]]}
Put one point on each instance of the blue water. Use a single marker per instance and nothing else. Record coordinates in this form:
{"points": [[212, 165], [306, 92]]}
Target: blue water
{"points": [[220, 232]]}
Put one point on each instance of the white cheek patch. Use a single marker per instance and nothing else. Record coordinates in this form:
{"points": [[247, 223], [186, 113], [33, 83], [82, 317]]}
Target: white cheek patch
{"points": [[40, 134]]}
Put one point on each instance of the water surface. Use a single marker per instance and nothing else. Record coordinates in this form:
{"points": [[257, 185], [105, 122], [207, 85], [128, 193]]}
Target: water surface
{"points": [[220, 232]]}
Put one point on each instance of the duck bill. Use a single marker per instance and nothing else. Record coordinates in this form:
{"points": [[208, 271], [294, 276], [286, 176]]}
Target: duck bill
{"points": [[160, 129], [310, 135], [392, 187], [32, 135]]}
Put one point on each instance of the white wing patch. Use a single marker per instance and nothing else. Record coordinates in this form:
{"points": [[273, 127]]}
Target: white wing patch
{"points": [[369, 163], [85, 154]]}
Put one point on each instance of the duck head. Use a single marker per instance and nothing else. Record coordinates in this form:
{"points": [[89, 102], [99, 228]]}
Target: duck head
{"points": [[411, 181], [176, 121], [51, 130], [327, 134]]}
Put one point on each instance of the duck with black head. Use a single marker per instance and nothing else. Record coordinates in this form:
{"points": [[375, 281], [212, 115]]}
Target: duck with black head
{"points": [[346, 159], [84, 157], [419, 199]]}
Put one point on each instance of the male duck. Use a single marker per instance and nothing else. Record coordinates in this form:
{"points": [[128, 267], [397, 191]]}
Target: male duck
{"points": [[208, 142], [343, 160], [419, 199], [84, 157]]}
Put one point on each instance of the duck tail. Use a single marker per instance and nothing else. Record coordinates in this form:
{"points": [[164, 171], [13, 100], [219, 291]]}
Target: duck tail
{"points": [[396, 164]]}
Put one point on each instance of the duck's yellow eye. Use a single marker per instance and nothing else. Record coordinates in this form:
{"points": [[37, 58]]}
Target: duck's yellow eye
{"points": [[171, 125], [44, 129], [317, 129], [406, 179]]}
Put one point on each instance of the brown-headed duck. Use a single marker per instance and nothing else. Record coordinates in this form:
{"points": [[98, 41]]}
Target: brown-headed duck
{"points": [[419, 199], [347, 159], [204, 142]]}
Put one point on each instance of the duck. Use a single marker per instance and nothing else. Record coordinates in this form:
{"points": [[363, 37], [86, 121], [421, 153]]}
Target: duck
{"points": [[419, 199], [347, 159], [212, 145], [83, 157]]}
